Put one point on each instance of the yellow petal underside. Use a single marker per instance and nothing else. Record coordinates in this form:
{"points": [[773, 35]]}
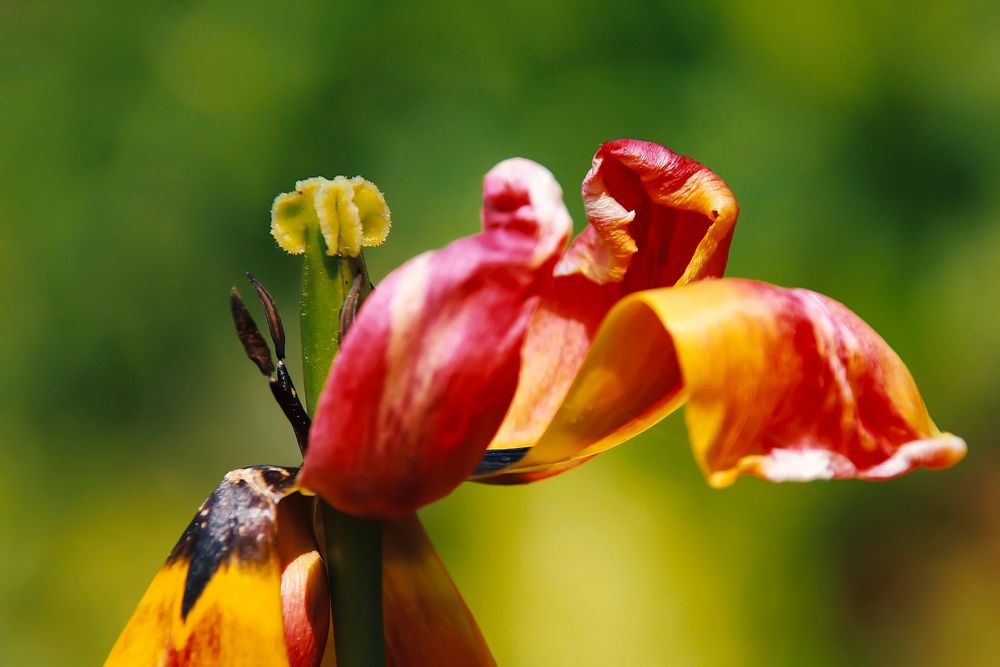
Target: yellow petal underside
{"points": [[217, 600], [216, 632], [236, 617], [782, 384]]}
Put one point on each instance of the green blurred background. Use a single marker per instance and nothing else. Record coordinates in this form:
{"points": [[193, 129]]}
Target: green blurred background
{"points": [[142, 144]]}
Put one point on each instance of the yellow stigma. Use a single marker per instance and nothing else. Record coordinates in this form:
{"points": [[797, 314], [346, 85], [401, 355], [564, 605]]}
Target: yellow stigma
{"points": [[350, 213]]}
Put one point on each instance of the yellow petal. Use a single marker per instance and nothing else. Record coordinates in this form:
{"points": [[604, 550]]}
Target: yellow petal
{"points": [[218, 598], [629, 380], [783, 384]]}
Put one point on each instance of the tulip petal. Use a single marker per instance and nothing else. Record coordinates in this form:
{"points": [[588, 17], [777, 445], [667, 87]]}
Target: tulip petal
{"points": [[426, 620], [218, 599], [783, 384], [305, 598], [429, 365], [657, 219]]}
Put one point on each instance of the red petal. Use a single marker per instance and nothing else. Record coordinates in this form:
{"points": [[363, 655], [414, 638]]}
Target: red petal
{"points": [[305, 598], [657, 219], [430, 364]]}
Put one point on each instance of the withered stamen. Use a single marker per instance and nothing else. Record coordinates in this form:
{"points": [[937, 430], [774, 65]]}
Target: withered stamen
{"points": [[253, 342], [288, 400], [273, 318], [258, 351]]}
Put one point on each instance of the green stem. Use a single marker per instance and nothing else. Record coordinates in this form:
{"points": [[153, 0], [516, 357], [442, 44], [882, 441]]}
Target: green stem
{"points": [[353, 545], [354, 569]]}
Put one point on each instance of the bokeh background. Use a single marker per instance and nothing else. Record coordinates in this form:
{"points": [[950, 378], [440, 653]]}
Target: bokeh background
{"points": [[141, 145]]}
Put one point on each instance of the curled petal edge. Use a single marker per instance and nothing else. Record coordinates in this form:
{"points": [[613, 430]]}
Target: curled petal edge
{"points": [[641, 193], [657, 219], [782, 384]]}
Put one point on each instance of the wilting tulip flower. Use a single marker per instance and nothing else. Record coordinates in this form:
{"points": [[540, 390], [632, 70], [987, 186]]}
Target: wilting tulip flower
{"points": [[245, 586], [509, 356]]}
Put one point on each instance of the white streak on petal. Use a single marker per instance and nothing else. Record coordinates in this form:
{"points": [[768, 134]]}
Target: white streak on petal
{"points": [[404, 383], [801, 465]]}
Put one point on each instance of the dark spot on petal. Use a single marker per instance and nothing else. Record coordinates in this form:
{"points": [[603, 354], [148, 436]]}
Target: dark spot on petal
{"points": [[236, 524]]}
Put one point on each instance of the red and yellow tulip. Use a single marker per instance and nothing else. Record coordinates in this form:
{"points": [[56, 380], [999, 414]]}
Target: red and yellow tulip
{"points": [[513, 355], [537, 355]]}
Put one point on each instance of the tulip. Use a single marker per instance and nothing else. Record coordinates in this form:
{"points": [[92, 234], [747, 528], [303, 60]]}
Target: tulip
{"points": [[510, 356]]}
